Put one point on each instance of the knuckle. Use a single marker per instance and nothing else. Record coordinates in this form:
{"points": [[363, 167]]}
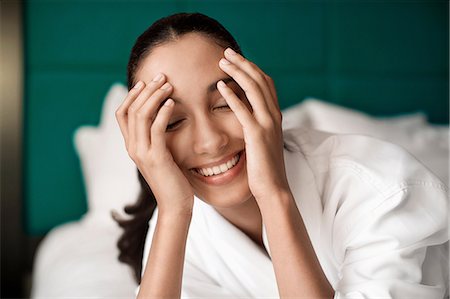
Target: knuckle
{"points": [[132, 92], [252, 84], [241, 58], [141, 114], [148, 88], [132, 109], [157, 95], [159, 92], [253, 66], [119, 112], [261, 77]]}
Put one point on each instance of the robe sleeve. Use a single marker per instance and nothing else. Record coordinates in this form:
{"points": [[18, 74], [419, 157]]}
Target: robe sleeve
{"points": [[196, 282]]}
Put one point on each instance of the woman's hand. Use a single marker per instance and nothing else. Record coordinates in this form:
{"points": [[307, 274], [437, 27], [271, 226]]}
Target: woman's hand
{"points": [[262, 127], [143, 120]]}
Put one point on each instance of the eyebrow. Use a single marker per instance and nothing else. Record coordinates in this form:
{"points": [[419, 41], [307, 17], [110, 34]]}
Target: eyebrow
{"points": [[211, 88]]}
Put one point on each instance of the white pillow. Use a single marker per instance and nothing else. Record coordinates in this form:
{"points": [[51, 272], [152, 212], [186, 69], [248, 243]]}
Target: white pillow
{"points": [[428, 143], [110, 175]]}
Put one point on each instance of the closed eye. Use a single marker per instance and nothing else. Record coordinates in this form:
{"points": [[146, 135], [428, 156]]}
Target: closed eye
{"points": [[174, 125], [223, 107]]}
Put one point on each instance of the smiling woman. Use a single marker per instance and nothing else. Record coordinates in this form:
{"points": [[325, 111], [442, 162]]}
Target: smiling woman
{"points": [[239, 207]]}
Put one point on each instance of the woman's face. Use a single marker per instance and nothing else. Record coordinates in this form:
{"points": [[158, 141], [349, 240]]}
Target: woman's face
{"points": [[203, 135]]}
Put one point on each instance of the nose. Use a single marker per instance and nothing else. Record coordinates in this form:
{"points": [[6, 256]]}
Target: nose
{"points": [[209, 137]]}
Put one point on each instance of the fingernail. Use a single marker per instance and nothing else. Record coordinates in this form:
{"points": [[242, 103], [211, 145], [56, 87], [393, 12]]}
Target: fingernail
{"points": [[158, 77], [166, 86], [221, 84], [224, 61], [230, 51], [168, 102], [138, 85]]}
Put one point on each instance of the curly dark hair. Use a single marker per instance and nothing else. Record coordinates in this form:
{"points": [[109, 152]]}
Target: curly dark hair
{"points": [[167, 29]]}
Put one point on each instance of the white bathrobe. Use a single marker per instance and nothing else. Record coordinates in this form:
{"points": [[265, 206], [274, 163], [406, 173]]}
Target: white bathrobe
{"points": [[376, 217]]}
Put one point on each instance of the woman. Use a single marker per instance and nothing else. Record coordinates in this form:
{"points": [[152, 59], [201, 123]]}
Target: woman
{"points": [[247, 210]]}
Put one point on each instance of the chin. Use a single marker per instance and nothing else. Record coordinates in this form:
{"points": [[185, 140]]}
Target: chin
{"points": [[226, 199]]}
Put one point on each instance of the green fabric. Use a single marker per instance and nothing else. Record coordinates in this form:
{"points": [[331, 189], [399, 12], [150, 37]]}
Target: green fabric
{"points": [[381, 57]]}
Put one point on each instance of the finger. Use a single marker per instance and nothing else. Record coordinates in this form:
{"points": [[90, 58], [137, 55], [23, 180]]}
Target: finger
{"points": [[136, 104], [151, 87], [272, 88], [273, 104], [160, 123], [256, 73], [122, 111], [237, 106], [145, 115], [250, 87]]}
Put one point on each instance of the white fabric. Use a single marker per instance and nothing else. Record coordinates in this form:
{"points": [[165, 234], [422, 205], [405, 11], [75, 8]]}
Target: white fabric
{"points": [[410, 131], [79, 260], [109, 174], [370, 209]]}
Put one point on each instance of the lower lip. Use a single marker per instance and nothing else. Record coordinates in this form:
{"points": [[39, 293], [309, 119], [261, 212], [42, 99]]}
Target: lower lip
{"points": [[226, 177]]}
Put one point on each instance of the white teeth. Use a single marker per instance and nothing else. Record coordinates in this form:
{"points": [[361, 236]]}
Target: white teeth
{"points": [[220, 168], [216, 169]]}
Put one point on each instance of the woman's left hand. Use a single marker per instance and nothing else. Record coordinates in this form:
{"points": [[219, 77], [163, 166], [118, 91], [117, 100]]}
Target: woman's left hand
{"points": [[261, 127]]}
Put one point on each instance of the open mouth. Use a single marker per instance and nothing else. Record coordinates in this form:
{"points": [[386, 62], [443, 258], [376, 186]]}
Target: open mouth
{"points": [[219, 169]]}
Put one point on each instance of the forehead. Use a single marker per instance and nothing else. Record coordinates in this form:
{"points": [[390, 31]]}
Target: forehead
{"points": [[189, 60]]}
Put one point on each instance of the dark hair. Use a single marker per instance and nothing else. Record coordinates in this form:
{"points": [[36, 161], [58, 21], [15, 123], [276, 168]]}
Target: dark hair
{"points": [[168, 29]]}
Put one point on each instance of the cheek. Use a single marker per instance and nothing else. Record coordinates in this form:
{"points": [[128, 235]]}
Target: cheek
{"points": [[234, 127], [176, 144]]}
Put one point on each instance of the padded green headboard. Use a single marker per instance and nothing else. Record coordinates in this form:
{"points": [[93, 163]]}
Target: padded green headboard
{"points": [[382, 57]]}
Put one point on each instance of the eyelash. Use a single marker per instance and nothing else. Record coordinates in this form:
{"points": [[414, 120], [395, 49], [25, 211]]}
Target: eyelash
{"points": [[174, 125], [223, 107]]}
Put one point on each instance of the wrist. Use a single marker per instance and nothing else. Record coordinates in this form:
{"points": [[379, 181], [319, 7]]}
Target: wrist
{"points": [[173, 222], [175, 214], [176, 208], [281, 199]]}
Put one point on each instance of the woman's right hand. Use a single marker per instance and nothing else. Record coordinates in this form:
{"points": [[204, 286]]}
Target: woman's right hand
{"points": [[143, 120]]}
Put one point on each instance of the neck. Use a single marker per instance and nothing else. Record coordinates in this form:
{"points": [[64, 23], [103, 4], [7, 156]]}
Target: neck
{"points": [[246, 217]]}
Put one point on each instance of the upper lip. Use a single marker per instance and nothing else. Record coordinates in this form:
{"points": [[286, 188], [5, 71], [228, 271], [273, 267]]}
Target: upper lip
{"points": [[218, 162]]}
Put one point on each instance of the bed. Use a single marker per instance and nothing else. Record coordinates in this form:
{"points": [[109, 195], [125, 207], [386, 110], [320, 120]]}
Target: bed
{"points": [[79, 259]]}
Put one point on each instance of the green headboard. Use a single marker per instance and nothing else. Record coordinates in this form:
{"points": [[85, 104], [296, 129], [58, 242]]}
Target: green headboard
{"points": [[381, 57]]}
